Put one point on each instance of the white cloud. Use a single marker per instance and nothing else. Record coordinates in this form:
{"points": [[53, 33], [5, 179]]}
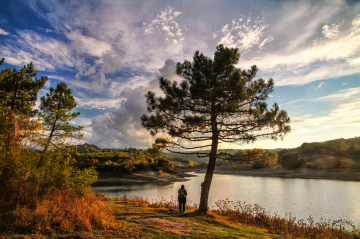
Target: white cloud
{"points": [[343, 115], [324, 60], [122, 127], [296, 42], [165, 22], [88, 45], [321, 84], [46, 53], [3, 32], [351, 93], [330, 31], [346, 113], [244, 34]]}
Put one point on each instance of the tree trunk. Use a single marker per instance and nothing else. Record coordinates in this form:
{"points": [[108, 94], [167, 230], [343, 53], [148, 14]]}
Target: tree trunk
{"points": [[47, 144], [205, 186]]}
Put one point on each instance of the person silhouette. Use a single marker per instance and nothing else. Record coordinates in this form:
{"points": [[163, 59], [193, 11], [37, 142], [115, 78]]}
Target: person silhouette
{"points": [[182, 193]]}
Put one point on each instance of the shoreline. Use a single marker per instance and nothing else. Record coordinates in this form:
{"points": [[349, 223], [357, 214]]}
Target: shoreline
{"points": [[341, 175], [140, 177], [182, 175]]}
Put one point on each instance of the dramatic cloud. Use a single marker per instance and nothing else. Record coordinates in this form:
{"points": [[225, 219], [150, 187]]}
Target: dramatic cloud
{"points": [[110, 53], [122, 127]]}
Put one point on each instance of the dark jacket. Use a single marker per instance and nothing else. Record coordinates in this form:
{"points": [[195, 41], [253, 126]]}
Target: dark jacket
{"points": [[182, 193]]}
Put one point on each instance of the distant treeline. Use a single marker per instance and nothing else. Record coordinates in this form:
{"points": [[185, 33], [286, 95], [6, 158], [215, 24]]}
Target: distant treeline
{"points": [[117, 160], [334, 154], [339, 153]]}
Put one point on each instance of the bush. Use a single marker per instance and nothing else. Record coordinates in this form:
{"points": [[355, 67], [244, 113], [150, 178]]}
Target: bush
{"points": [[50, 196], [292, 160], [24, 182]]}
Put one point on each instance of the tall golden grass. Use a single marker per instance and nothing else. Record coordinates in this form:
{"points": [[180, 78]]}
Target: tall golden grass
{"points": [[59, 211], [258, 216], [157, 203]]}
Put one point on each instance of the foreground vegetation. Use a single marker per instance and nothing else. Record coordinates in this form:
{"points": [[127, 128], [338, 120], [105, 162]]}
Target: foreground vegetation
{"points": [[41, 190], [138, 218]]}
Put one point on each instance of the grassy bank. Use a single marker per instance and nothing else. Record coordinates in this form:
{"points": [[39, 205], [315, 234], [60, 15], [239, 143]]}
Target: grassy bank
{"points": [[138, 218]]}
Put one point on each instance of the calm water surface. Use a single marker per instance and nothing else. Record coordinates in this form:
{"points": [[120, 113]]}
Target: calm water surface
{"points": [[328, 199]]}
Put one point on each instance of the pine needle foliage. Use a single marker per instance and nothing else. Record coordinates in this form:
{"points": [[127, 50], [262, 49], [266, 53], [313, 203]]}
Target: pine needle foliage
{"points": [[214, 103]]}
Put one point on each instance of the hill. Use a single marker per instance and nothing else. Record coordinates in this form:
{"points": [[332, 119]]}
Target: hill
{"points": [[332, 154]]}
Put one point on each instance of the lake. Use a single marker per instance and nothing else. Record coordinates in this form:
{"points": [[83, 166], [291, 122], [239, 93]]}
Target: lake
{"points": [[327, 199]]}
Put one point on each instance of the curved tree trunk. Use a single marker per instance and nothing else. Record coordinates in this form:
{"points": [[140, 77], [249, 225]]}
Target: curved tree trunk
{"points": [[205, 186]]}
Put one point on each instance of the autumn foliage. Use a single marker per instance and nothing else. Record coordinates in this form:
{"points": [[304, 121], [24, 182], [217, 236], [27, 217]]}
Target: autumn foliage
{"points": [[39, 197]]}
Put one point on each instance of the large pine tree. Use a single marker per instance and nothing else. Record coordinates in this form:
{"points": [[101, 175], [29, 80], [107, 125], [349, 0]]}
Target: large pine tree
{"points": [[215, 103]]}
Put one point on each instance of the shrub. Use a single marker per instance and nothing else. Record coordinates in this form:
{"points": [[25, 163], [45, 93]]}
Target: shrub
{"points": [[50, 196]]}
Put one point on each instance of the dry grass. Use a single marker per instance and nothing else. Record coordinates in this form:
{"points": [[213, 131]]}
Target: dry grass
{"points": [[135, 217], [60, 211], [229, 212], [257, 216], [161, 203]]}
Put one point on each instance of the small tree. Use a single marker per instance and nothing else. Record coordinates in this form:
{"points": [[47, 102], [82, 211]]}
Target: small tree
{"points": [[56, 115], [216, 102], [262, 158]]}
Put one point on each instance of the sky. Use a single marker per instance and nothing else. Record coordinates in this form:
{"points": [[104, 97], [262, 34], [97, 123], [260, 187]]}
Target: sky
{"points": [[110, 53]]}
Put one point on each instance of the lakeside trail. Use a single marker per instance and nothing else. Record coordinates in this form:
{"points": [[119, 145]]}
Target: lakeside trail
{"points": [[138, 219]]}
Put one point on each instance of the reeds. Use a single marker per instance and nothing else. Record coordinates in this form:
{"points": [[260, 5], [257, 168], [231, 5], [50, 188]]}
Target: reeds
{"points": [[292, 228]]}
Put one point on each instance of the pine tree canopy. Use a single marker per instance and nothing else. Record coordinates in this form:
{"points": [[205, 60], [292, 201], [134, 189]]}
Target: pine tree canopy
{"points": [[56, 114], [18, 89], [215, 99]]}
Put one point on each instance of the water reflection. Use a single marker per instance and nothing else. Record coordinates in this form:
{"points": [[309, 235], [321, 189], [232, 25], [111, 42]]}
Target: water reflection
{"points": [[328, 199]]}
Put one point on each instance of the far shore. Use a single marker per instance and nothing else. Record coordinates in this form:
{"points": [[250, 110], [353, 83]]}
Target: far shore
{"points": [[141, 177], [330, 174]]}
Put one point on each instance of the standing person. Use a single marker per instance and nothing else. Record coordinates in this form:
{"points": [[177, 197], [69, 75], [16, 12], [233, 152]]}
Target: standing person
{"points": [[182, 193]]}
